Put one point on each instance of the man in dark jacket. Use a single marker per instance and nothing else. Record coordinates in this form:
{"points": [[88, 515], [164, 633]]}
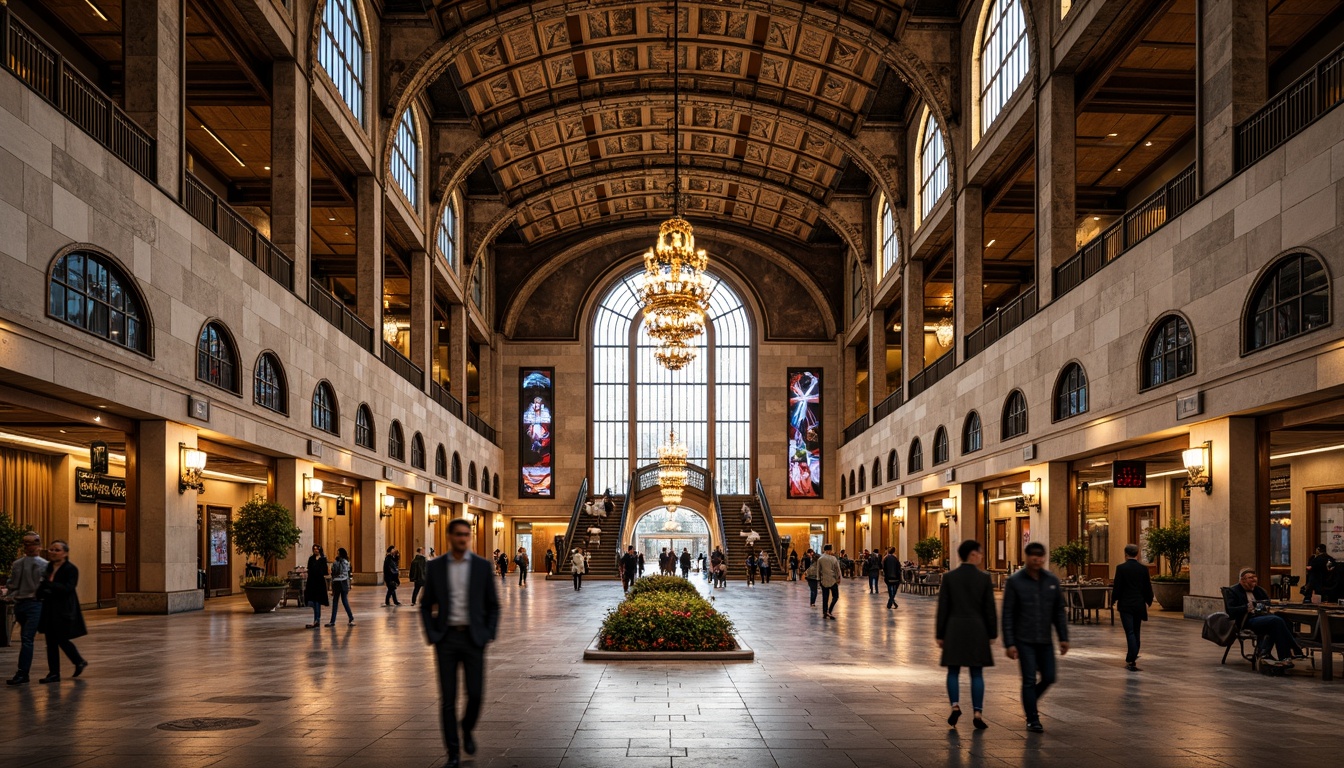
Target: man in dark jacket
{"points": [[629, 567], [874, 569], [418, 573], [891, 573], [391, 575], [1243, 601], [1132, 593], [685, 562], [1033, 602]]}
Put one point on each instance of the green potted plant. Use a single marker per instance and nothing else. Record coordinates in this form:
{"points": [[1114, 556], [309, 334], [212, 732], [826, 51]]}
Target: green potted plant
{"points": [[11, 542], [1071, 555], [1172, 544], [265, 530], [928, 549]]}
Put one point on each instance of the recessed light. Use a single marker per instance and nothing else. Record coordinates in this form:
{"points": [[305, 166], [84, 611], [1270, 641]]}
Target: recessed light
{"points": [[991, 242], [267, 167], [97, 418], [331, 218], [1117, 170], [1112, 135], [1147, 143], [102, 406], [1096, 218], [63, 432]]}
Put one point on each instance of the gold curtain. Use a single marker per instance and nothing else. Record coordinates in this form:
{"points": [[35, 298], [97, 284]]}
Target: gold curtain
{"points": [[26, 488]]}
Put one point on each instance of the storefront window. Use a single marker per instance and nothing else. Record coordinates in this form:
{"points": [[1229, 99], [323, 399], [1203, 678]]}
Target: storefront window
{"points": [[1280, 535], [1094, 506]]}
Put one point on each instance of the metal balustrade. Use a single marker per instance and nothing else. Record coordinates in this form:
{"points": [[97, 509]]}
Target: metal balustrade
{"points": [[403, 366], [856, 428], [334, 311], [217, 215], [1001, 322], [933, 373], [482, 429], [889, 404], [1289, 111], [445, 398]]}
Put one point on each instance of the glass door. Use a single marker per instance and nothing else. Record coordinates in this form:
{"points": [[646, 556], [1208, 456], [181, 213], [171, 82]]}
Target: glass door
{"points": [[1141, 520], [524, 540]]}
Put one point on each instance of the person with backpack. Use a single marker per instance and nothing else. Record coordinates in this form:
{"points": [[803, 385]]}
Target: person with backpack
{"points": [[891, 573], [523, 562], [793, 565], [1033, 604], [340, 586], [752, 562], [874, 568]]}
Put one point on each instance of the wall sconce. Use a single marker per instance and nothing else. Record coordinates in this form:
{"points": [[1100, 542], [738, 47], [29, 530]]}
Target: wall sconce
{"points": [[499, 525], [191, 463], [950, 509], [1031, 496], [1197, 463], [433, 514], [900, 518], [469, 516], [389, 501], [840, 526], [864, 521], [312, 492]]}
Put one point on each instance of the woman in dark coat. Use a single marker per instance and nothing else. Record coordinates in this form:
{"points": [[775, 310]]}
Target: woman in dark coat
{"points": [[61, 619], [391, 576], [315, 588], [966, 624]]}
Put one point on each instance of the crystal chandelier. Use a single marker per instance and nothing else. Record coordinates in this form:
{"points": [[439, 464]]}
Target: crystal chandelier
{"points": [[672, 471], [945, 332], [672, 524], [390, 327], [674, 290]]}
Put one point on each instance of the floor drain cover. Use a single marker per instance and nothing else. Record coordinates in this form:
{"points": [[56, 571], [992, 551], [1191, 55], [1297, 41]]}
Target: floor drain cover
{"points": [[552, 677], [208, 724], [261, 698]]}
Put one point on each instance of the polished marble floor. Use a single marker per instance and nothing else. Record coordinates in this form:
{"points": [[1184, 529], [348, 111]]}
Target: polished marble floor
{"points": [[861, 691]]}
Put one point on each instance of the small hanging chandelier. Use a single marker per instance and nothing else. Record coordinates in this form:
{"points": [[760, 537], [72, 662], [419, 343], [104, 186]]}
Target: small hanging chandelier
{"points": [[945, 332], [390, 327], [672, 472]]}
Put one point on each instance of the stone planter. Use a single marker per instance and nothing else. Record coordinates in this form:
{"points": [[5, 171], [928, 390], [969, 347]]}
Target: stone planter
{"points": [[743, 652], [1171, 594], [264, 599]]}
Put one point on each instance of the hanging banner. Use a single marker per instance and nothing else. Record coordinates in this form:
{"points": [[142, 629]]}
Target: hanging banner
{"points": [[804, 433], [536, 456]]}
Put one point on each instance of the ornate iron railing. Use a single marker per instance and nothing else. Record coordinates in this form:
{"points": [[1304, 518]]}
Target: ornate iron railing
{"points": [[1290, 110], [482, 429], [445, 398], [1001, 322], [888, 404], [403, 366]]}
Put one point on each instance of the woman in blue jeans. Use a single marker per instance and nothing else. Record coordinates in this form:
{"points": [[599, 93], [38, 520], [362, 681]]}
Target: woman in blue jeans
{"points": [[340, 586], [966, 624]]}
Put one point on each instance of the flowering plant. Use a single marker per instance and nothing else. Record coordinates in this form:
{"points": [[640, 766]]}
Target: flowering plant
{"points": [[666, 621], [649, 584]]}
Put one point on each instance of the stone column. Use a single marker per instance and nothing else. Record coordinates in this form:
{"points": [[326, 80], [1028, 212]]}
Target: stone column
{"points": [[1050, 526], [420, 530], [459, 338], [153, 55], [371, 533], [1223, 524], [288, 491], [1056, 180], [489, 382], [849, 382], [1234, 81], [422, 310], [968, 285], [166, 525], [877, 358], [912, 320], [291, 151], [369, 256]]}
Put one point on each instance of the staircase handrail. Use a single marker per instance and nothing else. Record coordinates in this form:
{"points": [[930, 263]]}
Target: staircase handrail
{"points": [[563, 557], [769, 519], [718, 515]]}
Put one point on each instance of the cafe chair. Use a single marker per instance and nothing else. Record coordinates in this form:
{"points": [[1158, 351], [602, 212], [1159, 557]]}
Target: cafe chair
{"points": [[1241, 636], [1312, 641]]}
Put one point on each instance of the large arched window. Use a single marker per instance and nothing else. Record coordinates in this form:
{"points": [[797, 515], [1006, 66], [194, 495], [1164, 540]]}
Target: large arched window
{"points": [[417, 451], [886, 235], [971, 438], [915, 462], [1014, 415], [406, 157], [893, 465], [1004, 57], [268, 384], [364, 427], [396, 441], [91, 293], [340, 51], [448, 232], [932, 156], [942, 449], [326, 413], [636, 402], [441, 462], [1169, 353], [1290, 299], [1071, 392], [217, 358]]}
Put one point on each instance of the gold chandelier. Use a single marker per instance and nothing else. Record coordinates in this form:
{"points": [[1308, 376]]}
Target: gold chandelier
{"points": [[674, 290], [672, 472]]}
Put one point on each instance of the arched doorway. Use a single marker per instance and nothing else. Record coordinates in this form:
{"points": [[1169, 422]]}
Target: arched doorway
{"points": [[684, 529]]}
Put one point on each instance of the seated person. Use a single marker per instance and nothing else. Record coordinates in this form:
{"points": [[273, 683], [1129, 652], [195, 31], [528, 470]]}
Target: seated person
{"points": [[1247, 604]]}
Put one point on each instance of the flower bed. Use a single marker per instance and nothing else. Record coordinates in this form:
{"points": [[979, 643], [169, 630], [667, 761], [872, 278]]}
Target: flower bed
{"points": [[666, 621], [671, 584]]}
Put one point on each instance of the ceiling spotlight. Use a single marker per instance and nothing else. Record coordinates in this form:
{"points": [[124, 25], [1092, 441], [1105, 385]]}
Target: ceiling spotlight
{"points": [[991, 242], [1147, 143], [267, 167], [1096, 218], [1112, 135], [1117, 170], [331, 218]]}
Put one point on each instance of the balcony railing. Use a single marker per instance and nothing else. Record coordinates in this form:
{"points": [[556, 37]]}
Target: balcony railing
{"points": [[216, 214], [42, 69], [932, 373], [445, 398], [856, 428], [336, 313], [407, 370], [1137, 224], [482, 429], [1292, 109], [1001, 322], [891, 403]]}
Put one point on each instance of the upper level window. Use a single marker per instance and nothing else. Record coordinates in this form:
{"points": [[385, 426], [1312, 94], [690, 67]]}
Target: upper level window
{"points": [[915, 463], [495, 490], [942, 451], [1169, 353], [932, 156], [1071, 392], [886, 235], [396, 441], [457, 469], [863, 483], [843, 488], [471, 476], [364, 427], [91, 293], [216, 358], [448, 233], [971, 438], [268, 384], [877, 472], [441, 462], [485, 481], [1015, 415], [853, 484], [417, 451], [1004, 57], [340, 51], [1290, 300], [326, 416], [406, 157], [892, 465]]}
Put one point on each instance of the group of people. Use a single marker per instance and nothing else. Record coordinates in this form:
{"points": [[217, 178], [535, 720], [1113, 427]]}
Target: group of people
{"points": [[46, 600]]}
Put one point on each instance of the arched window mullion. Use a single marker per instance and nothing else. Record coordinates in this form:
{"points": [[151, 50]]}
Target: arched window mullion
{"points": [[340, 52]]}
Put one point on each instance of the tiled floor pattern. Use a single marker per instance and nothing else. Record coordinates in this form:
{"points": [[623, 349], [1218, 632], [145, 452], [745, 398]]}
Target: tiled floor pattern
{"points": [[862, 691]]}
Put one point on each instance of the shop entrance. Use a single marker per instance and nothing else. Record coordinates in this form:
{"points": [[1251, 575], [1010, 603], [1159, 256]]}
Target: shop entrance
{"points": [[111, 553], [1141, 520], [218, 546]]}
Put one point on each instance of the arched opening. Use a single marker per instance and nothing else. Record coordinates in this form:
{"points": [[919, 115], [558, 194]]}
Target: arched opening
{"points": [[658, 528]]}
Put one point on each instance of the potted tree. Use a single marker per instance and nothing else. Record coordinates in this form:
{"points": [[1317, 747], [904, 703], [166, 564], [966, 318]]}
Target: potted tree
{"points": [[1070, 556], [928, 549], [265, 530], [1172, 544], [11, 542]]}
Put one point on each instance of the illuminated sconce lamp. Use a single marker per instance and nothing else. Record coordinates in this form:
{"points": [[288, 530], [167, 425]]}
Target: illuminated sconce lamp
{"points": [[900, 518], [1197, 463], [389, 501], [499, 526], [864, 521], [1031, 497], [433, 514], [191, 468], [840, 526], [950, 509], [312, 492]]}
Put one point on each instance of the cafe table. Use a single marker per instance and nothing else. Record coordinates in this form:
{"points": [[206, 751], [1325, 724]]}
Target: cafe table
{"points": [[1321, 613]]}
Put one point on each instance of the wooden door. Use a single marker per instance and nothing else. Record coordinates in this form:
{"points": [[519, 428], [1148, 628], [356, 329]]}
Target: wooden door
{"points": [[218, 547], [319, 528], [945, 534], [1000, 545], [111, 553], [1141, 519]]}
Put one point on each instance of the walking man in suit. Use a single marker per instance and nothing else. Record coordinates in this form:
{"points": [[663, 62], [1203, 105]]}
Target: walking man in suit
{"points": [[461, 613], [1132, 593]]}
